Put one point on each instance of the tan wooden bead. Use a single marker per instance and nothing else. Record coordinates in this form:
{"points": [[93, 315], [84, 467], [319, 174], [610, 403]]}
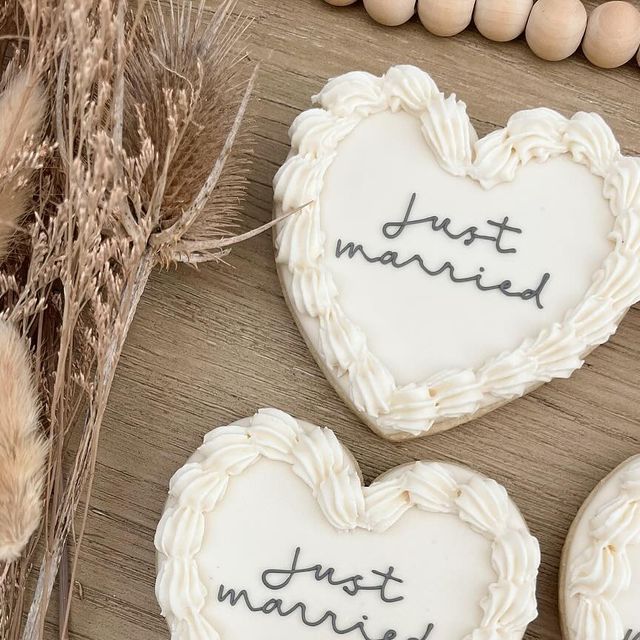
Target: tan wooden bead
{"points": [[391, 13], [555, 28], [613, 34], [445, 17], [340, 3], [501, 20]]}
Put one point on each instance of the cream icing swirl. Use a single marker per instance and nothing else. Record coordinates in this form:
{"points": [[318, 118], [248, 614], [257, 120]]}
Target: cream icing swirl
{"points": [[530, 136], [408, 88], [602, 572], [326, 467], [591, 142]]}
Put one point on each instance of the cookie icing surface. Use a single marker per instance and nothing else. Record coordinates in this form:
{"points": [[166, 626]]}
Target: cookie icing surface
{"points": [[600, 588], [269, 532], [436, 275]]}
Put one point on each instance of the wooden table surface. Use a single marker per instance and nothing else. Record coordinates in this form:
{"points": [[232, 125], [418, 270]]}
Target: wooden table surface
{"points": [[212, 345]]}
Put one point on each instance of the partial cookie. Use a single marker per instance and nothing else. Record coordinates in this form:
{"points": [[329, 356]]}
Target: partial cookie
{"points": [[268, 533], [600, 573], [436, 276]]}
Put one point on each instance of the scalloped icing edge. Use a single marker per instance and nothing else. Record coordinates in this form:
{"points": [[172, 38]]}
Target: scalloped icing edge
{"points": [[449, 399], [332, 474], [596, 617]]}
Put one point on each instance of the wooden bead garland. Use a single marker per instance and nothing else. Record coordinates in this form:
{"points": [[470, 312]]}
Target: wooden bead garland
{"points": [[501, 20], [555, 28], [390, 13], [613, 34], [445, 17]]}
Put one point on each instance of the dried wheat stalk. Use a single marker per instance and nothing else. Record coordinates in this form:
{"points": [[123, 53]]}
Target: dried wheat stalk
{"points": [[146, 109]]}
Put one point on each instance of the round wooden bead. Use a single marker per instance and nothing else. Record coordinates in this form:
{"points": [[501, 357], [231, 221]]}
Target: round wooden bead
{"points": [[555, 28], [445, 17], [613, 34], [341, 3], [501, 20], [390, 12]]}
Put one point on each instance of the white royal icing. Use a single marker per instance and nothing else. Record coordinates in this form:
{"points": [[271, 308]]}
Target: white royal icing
{"points": [[411, 350], [601, 590], [462, 559]]}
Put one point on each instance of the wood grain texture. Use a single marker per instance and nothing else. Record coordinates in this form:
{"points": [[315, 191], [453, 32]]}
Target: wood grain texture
{"points": [[213, 345]]}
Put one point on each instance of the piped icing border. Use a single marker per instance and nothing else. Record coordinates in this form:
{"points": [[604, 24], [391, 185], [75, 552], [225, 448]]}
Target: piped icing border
{"points": [[601, 573], [534, 135], [326, 467]]}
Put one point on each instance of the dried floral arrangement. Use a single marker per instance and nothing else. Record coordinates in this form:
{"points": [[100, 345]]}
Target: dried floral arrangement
{"points": [[116, 136]]}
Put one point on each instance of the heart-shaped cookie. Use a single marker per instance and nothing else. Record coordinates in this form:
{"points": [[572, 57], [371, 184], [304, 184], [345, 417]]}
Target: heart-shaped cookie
{"points": [[269, 533], [436, 276], [600, 572]]}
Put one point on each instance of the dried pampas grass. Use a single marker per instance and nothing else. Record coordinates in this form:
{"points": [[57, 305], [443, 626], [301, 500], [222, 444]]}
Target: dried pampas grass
{"points": [[22, 449], [22, 110], [22, 104], [145, 111]]}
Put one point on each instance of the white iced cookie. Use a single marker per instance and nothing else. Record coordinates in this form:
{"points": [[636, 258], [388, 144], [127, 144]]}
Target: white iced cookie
{"points": [[600, 573], [269, 534], [436, 276]]}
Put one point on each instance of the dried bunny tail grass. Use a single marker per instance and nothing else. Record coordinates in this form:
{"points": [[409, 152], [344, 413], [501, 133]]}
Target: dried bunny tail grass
{"points": [[22, 105], [22, 449], [22, 111], [12, 208]]}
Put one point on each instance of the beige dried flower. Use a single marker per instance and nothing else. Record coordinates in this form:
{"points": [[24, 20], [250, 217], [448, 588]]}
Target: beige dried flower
{"points": [[22, 450], [22, 109], [196, 60], [144, 115]]}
